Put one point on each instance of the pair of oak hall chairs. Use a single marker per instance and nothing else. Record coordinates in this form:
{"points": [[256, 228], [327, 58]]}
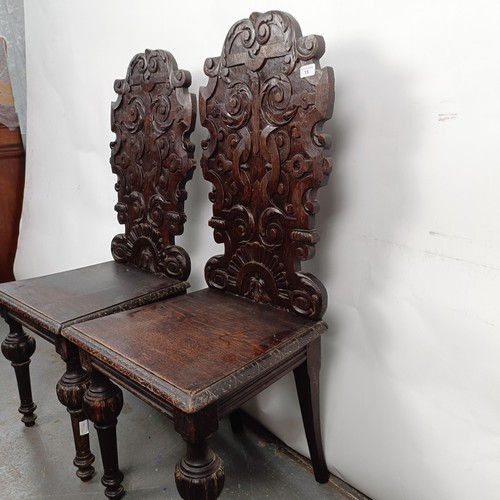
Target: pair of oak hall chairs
{"points": [[196, 357]]}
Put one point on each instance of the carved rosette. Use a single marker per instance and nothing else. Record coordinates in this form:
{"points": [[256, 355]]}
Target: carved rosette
{"points": [[152, 157], [266, 100]]}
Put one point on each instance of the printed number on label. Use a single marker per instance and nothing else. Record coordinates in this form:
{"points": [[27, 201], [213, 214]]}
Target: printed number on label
{"points": [[307, 70]]}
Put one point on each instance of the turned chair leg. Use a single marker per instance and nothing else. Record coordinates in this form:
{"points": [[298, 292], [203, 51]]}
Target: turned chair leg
{"points": [[307, 382], [70, 390], [18, 348], [102, 403], [236, 421], [200, 474]]}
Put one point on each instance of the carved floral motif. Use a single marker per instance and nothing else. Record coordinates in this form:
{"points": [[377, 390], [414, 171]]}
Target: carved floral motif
{"points": [[265, 158], [152, 157]]}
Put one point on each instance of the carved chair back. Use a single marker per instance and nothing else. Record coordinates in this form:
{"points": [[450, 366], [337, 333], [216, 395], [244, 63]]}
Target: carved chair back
{"points": [[264, 106], [152, 157]]}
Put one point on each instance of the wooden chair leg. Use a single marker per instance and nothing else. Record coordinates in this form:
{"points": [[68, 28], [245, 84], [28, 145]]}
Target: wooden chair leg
{"points": [[70, 390], [18, 348], [200, 474], [102, 403], [307, 382], [236, 421]]}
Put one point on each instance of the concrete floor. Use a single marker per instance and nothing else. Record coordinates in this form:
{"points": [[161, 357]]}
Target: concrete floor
{"points": [[36, 462]]}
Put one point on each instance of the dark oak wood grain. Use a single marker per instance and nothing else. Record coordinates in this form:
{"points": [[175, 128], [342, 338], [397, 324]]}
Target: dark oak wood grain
{"points": [[265, 159], [12, 164], [191, 331], [49, 303], [152, 157], [198, 357]]}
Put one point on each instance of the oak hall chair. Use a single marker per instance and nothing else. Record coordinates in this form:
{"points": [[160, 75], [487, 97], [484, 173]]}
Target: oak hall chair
{"points": [[198, 357], [152, 157]]}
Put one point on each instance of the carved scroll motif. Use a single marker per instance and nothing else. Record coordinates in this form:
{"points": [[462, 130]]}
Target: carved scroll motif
{"points": [[264, 106], [152, 157]]}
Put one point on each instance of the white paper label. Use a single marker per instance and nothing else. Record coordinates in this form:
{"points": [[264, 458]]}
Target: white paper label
{"points": [[84, 427], [307, 70]]}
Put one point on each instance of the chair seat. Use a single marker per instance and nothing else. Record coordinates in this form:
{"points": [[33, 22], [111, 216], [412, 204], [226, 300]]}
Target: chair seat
{"points": [[195, 349], [51, 302]]}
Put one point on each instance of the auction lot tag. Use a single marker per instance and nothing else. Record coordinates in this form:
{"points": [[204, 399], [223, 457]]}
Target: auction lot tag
{"points": [[307, 70]]}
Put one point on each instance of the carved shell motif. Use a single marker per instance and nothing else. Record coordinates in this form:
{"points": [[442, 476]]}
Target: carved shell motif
{"points": [[266, 100], [152, 157]]}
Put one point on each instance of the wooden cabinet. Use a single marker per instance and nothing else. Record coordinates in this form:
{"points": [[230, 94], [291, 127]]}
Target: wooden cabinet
{"points": [[11, 197]]}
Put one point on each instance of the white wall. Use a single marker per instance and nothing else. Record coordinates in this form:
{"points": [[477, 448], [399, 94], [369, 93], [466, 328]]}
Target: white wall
{"points": [[410, 249]]}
